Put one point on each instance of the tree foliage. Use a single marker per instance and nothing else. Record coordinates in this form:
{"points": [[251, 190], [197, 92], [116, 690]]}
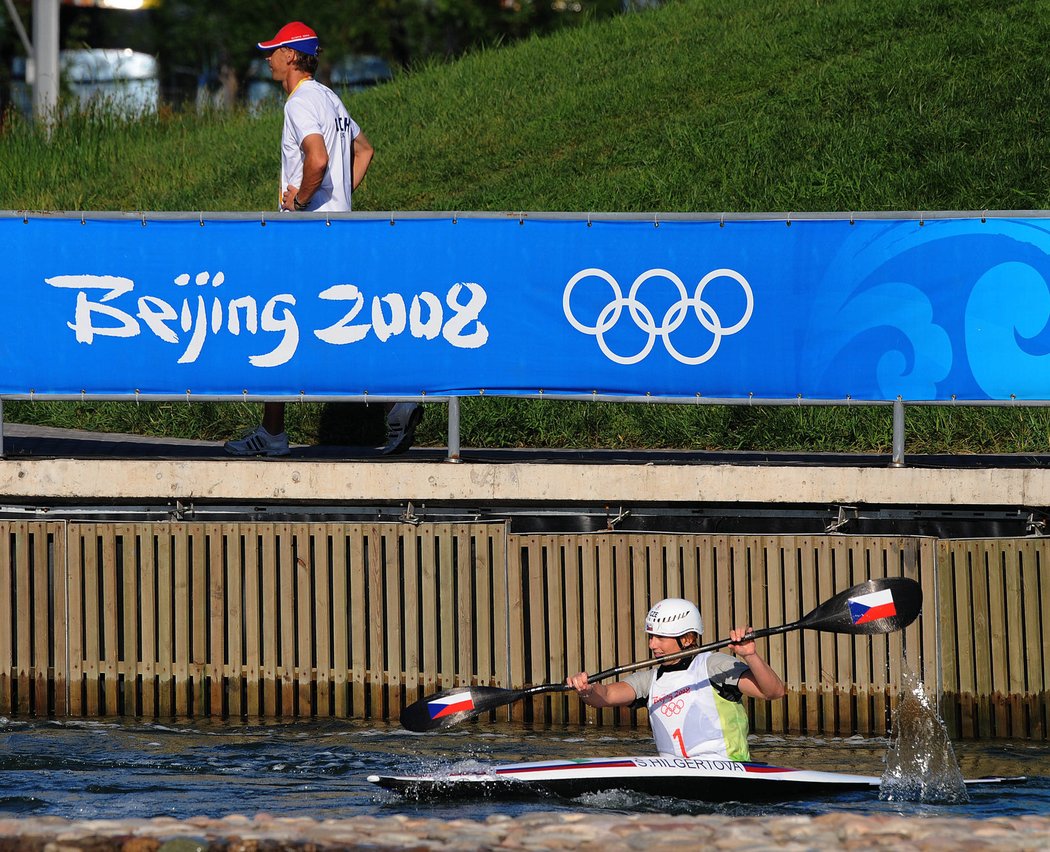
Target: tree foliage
{"points": [[197, 37]]}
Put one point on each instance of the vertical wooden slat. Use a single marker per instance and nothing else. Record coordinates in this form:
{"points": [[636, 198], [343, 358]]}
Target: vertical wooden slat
{"points": [[183, 620], [1028, 557], [1042, 682], [199, 613], [464, 603], [447, 607], [981, 638], [342, 614], [501, 596], [20, 572], [841, 554], [997, 648], [1016, 650], [394, 633], [792, 673], [213, 656], [92, 650], [75, 609], [537, 657], [634, 547], [41, 618], [863, 563], [947, 658], [555, 633], [759, 618], [606, 603], [165, 626], [127, 655], [811, 648], [651, 558], [411, 591], [61, 618], [286, 582], [323, 607], [967, 696], [110, 592], [303, 566], [143, 534], [363, 613], [429, 638], [888, 650], [624, 609], [377, 617], [483, 581], [7, 615], [235, 617], [775, 614], [269, 625], [722, 565], [825, 588], [574, 623], [514, 620]]}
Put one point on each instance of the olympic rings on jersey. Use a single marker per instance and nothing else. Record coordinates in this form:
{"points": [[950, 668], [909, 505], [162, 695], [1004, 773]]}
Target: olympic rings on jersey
{"points": [[672, 708], [643, 318]]}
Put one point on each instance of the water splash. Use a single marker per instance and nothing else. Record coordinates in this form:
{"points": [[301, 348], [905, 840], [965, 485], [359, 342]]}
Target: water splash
{"points": [[920, 761]]}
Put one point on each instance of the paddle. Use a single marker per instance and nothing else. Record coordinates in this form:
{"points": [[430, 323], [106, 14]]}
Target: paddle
{"points": [[876, 606]]}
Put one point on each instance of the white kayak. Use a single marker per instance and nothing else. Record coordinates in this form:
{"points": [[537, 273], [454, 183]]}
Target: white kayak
{"points": [[682, 778]]}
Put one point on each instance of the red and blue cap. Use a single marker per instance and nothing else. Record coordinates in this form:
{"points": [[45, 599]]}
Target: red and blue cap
{"points": [[295, 35]]}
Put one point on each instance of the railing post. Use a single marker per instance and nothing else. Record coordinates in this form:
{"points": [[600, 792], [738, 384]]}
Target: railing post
{"points": [[898, 433], [453, 429]]}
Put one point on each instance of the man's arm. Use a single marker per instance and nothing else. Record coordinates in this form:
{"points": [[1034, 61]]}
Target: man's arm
{"points": [[363, 153], [315, 164]]}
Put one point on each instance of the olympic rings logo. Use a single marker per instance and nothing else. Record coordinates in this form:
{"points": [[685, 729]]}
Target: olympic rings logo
{"points": [[643, 318], [673, 708]]}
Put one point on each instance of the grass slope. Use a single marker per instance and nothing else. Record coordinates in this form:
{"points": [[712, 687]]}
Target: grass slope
{"points": [[702, 105]]}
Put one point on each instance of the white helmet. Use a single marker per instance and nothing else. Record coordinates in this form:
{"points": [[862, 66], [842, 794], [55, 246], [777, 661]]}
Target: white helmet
{"points": [[674, 617]]}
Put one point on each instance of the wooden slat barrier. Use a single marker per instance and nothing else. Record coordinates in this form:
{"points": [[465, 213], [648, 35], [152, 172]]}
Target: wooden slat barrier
{"points": [[994, 611], [32, 599], [275, 620], [357, 620]]}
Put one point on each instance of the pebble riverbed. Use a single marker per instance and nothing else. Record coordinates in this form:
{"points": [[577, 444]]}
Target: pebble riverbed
{"points": [[539, 831]]}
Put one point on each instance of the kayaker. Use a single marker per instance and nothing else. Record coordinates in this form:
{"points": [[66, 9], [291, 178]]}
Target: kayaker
{"points": [[694, 704]]}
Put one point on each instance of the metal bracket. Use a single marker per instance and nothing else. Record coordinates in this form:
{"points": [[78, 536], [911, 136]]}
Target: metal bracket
{"points": [[845, 515]]}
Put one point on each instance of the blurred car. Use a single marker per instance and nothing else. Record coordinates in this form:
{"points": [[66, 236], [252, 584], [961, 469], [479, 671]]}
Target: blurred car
{"points": [[125, 81], [354, 73]]}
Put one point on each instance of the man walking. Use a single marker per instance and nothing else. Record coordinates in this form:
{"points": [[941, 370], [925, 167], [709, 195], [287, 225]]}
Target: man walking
{"points": [[324, 156]]}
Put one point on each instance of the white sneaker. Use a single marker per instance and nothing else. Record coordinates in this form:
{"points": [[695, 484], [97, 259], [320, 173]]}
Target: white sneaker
{"points": [[401, 425], [259, 442]]}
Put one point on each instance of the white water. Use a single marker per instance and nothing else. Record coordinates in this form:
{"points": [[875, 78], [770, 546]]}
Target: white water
{"points": [[920, 760]]}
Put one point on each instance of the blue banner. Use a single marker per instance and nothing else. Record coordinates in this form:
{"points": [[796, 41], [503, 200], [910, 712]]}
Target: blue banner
{"points": [[815, 308]]}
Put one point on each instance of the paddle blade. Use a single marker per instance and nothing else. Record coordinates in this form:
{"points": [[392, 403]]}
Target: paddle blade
{"points": [[452, 706], [876, 606]]}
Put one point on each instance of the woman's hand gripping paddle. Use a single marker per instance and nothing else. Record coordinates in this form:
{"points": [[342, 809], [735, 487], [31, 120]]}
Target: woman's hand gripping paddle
{"points": [[876, 606]]}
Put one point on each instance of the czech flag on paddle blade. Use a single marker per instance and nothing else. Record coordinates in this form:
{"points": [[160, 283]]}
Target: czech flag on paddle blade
{"points": [[450, 704], [872, 607]]}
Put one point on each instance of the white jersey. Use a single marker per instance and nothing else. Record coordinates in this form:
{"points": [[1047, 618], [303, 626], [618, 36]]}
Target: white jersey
{"points": [[690, 718], [314, 108]]}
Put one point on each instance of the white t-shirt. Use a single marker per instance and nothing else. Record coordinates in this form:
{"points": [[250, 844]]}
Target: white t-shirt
{"points": [[314, 108]]}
